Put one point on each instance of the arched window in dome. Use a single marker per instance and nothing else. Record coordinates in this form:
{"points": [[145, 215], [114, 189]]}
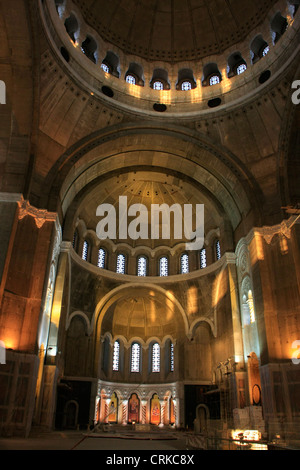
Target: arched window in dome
{"points": [[279, 25], [186, 80], [214, 80], [142, 266], [121, 260], [116, 356], [101, 262], [293, 7], [158, 85], [217, 249], [163, 266], [85, 250], [130, 79], [71, 25], [184, 263], [111, 64], [135, 74], [160, 80], [89, 48], [186, 85], [236, 64], [211, 75], [135, 362], [155, 359], [203, 263], [259, 48]]}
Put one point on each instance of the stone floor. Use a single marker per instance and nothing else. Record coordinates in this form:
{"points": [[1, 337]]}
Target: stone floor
{"points": [[80, 440]]}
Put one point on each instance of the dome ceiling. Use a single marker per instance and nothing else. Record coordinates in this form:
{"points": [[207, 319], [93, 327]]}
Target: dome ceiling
{"points": [[173, 30], [146, 188]]}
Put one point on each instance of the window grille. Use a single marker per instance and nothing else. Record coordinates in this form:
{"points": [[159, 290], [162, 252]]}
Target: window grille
{"points": [[130, 79], [85, 250], [101, 258], [142, 266], [116, 356], [184, 261], [214, 80], [203, 258], [172, 357], [218, 250], [158, 85], [105, 68], [135, 357], [185, 86], [155, 357], [163, 266], [241, 69], [120, 264]]}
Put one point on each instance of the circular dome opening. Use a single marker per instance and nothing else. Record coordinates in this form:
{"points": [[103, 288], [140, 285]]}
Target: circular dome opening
{"points": [[107, 91], [264, 77], [160, 108]]}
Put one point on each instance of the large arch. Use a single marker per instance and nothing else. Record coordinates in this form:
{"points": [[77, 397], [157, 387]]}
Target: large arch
{"points": [[126, 146]]}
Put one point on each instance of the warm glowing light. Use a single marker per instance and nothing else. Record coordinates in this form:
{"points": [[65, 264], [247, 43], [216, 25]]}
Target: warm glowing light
{"points": [[192, 300], [259, 247]]}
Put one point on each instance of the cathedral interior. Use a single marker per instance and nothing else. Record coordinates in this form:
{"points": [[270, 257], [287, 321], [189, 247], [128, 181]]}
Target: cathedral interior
{"points": [[175, 104]]}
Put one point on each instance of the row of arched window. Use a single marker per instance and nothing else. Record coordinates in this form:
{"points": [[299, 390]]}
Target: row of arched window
{"points": [[154, 363], [142, 260], [236, 65]]}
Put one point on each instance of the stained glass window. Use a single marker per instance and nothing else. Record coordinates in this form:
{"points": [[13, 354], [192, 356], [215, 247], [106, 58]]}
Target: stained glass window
{"points": [[155, 357], [163, 266], [120, 264], [184, 263], [116, 356], [101, 258], [142, 266], [135, 357]]}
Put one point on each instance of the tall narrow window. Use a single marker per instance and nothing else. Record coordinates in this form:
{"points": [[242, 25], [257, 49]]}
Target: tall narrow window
{"points": [[101, 258], [171, 357], [184, 263], [142, 266], [163, 266], [121, 264], [85, 250], [155, 357], [203, 258], [135, 357], [218, 249], [116, 356]]}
